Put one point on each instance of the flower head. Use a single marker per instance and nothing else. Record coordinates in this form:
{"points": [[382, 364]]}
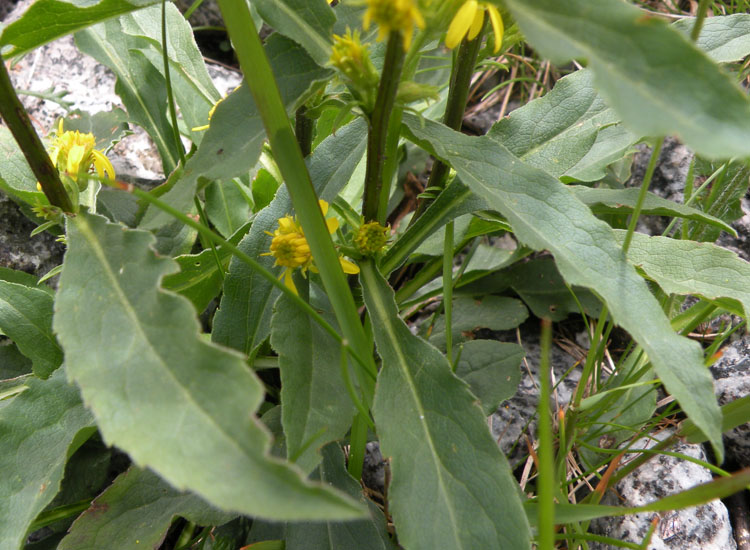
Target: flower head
{"points": [[371, 238], [468, 22], [73, 154], [394, 15], [291, 250]]}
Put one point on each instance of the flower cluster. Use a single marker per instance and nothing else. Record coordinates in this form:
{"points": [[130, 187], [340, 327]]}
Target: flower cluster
{"points": [[73, 154], [291, 250]]}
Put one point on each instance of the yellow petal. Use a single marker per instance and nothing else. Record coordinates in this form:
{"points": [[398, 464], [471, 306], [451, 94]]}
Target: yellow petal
{"points": [[348, 266], [476, 25], [102, 164], [288, 280], [75, 156], [332, 224], [497, 26], [461, 23], [323, 206]]}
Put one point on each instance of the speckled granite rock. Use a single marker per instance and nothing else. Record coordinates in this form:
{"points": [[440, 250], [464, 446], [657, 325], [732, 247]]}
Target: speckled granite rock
{"points": [[18, 250], [515, 417], [732, 381], [704, 527]]}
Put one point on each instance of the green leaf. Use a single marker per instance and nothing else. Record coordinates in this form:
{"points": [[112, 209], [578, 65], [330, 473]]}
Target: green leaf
{"points": [[108, 127], [233, 142], [316, 407], [365, 534], [244, 317], [491, 369], [264, 189], [39, 430], [139, 84], [192, 86], [135, 512], [658, 81], [545, 214], [23, 278], [569, 132], [159, 391], [26, 318], [622, 201], [539, 284], [307, 22], [12, 362], [199, 279], [16, 178], [46, 20], [447, 470], [491, 312], [689, 267], [454, 201], [724, 38], [226, 206]]}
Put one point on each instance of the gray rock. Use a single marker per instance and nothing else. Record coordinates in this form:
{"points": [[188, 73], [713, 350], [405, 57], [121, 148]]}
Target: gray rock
{"points": [[703, 527], [516, 416], [732, 381], [36, 255]]}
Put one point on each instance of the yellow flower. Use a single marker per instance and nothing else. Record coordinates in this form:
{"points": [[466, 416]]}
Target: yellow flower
{"points": [[468, 22], [73, 155], [291, 250], [393, 15]]}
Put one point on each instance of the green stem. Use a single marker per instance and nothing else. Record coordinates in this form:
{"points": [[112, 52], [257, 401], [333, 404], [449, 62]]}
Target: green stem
{"points": [[168, 83], [303, 129], [194, 6], [546, 478], [253, 61], [357, 445], [17, 120], [699, 19], [378, 125], [448, 290], [48, 517], [254, 265], [458, 95], [642, 194]]}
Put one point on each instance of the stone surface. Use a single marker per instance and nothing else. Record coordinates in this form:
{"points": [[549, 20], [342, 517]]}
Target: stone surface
{"points": [[703, 527], [515, 417], [732, 381], [36, 255]]}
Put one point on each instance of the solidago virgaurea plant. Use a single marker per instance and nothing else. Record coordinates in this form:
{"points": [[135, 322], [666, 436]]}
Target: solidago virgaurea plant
{"points": [[330, 270]]}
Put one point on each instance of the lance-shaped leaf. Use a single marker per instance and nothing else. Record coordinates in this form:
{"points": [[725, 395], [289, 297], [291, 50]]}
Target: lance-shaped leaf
{"points": [[139, 84], [16, 178], [316, 407], [622, 201], [192, 86], [365, 534], [545, 214], [724, 38], [689, 267], [26, 318], [448, 472], [570, 132], [39, 430], [244, 318], [135, 512], [653, 76], [171, 400], [307, 22], [46, 20]]}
